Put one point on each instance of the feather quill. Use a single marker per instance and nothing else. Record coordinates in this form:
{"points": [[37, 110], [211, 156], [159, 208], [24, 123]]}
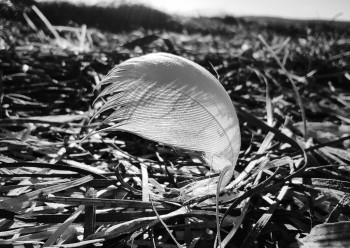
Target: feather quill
{"points": [[172, 100]]}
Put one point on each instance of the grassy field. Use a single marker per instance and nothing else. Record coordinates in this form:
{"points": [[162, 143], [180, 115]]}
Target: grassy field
{"points": [[289, 81]]}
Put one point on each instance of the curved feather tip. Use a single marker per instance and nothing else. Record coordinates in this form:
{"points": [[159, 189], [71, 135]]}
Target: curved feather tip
{"points": [[172, 100]]}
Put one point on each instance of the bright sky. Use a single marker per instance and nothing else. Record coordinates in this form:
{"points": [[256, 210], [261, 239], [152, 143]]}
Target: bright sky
{"points": [[299, 9], [304, 9]]}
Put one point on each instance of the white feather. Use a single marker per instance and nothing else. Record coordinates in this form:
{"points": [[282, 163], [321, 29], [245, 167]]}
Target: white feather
{"points": [[174, 101]]}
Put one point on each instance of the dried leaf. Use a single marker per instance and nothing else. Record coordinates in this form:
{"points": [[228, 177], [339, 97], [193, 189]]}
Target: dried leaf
{"points": [[327, 235]]}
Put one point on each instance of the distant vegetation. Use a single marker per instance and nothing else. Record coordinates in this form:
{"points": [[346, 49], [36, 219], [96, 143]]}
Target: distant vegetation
{"points": [[113, 18], [124, 17], [119, 18]]}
